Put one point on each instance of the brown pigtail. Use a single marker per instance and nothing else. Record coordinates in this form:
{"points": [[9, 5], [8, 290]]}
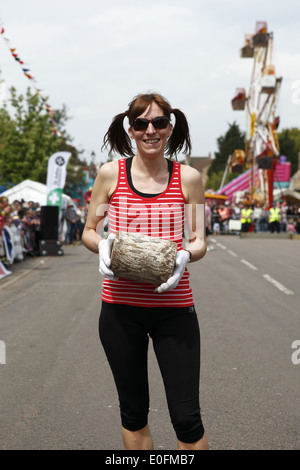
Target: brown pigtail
{"points": [[117, 138], [180, 139]]}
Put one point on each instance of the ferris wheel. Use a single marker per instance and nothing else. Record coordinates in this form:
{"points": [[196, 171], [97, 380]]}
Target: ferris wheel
{"points": [[261, 142]]}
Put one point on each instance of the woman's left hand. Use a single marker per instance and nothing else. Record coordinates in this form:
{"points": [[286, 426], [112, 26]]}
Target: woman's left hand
{"points": [[182, 258]]}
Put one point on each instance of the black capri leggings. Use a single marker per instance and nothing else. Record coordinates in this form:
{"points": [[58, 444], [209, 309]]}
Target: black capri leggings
{"points": [[124, 332]]}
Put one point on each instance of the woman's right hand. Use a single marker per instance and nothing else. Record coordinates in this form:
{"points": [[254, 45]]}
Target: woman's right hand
{"points": [[104, 248]]}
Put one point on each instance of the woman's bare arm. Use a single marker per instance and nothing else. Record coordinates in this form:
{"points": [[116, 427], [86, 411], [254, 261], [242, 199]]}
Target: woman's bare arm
{"points": [[193, 191], [104, 186]]}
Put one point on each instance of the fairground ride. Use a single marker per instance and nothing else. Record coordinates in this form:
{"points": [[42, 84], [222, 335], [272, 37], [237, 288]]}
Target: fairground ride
{"points": [[261, 142]]}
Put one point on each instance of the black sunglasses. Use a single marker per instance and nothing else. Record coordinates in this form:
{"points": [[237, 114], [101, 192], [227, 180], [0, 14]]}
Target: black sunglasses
{"points": [[159, 122]]}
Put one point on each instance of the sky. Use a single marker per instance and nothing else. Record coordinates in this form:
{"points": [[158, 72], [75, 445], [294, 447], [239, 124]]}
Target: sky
{"points": [[94, 56]]}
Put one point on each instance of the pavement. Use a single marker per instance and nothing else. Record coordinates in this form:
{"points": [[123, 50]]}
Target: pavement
{"points": [[57, 391]]}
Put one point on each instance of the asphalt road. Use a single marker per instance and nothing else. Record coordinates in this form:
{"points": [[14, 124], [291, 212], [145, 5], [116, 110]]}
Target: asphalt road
{"points": [[57, 391]]}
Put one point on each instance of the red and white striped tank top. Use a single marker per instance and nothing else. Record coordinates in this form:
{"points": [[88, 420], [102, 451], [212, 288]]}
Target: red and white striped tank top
{"points": [[159, 216]]}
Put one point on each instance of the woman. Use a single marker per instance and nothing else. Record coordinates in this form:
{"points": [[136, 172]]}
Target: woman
{"points": [[132, 311]]}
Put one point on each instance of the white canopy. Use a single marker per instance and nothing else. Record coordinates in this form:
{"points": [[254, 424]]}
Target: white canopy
{"points": [[293, 197], [32, 191]]}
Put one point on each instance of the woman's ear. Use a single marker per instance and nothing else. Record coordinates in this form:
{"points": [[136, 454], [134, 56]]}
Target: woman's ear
{"points": [[130, 133], [170, 130]]}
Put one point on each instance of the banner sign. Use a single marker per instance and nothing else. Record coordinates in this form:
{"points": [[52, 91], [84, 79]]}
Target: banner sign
{"points": [[56, 177]]}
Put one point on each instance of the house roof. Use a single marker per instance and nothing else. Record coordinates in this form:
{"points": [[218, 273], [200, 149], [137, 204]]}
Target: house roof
{"points": [[200, 162]]}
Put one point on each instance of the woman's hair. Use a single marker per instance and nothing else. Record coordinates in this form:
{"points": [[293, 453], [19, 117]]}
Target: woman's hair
{"points": [[119, 141]]}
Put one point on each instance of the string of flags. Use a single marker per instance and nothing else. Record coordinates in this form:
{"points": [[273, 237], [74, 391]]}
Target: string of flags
{"points": [[27, 73]]}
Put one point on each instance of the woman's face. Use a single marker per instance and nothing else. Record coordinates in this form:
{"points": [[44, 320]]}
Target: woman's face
{"points": [[151, 141]]}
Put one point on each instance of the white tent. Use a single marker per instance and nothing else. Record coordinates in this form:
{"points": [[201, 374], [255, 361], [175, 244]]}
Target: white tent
{"points": [[32, 191], [292, 197]]}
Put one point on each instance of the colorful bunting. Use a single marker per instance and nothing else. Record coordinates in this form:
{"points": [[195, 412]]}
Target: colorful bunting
{"points": [[27, 73]]}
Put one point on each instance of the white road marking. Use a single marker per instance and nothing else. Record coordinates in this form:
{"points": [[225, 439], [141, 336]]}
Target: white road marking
{"points": [[249, 264], [222, 246], [277, 284], [232, 253]]}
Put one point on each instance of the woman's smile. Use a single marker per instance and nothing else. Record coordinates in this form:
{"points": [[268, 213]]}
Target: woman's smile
{"points": [[151, 141]]}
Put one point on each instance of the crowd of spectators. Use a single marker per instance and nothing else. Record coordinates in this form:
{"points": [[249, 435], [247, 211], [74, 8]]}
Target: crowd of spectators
{"points": [[20, 224], [281, 217]]}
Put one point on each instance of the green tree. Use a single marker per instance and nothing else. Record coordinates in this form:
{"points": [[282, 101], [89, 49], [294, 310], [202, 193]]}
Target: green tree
{"points": [[26, 139], [289, 144], [232, 140], [75, 172], [214, 181]]}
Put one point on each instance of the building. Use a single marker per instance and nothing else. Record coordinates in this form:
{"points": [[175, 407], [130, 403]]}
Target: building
{"points": [[201, 164], [295, 180]]}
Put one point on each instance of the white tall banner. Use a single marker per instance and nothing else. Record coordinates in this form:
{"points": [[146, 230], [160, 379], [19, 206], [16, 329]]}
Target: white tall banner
{"points": [[56, 177]]}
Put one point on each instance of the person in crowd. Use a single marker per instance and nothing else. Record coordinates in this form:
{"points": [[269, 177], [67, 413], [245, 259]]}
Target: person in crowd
{"points": [[297, 224], [32, 206], [71, 218], [257, 211], [235, 211], [246, 218], [215, 219], [30, 226], [208, 228], [131, 311], [7, 214], [275, 217], [224, 215], [3, 211], [283, 213], [80, 221], [263, 219], [17, 206], [207, 218]]}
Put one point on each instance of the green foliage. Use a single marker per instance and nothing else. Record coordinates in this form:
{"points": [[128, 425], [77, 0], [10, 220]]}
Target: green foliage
{"points": [[232, 140], [27, 141], [214, 181], [75, 174], [289, 144]]}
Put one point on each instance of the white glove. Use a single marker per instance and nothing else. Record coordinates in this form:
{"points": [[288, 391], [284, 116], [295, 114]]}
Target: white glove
{"points": [[105, 247], [182, 258]]}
